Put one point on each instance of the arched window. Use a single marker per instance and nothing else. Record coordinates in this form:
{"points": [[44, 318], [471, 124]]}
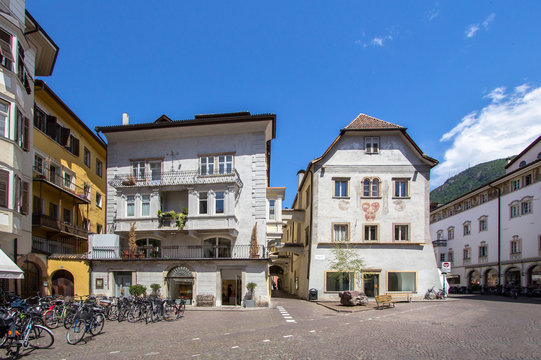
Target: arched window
{"points": [[217, 247], [150, 248], [371, 187], [522, 163]]}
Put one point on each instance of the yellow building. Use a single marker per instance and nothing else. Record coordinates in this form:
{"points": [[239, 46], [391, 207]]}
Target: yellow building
{"points": [[68, 194]]}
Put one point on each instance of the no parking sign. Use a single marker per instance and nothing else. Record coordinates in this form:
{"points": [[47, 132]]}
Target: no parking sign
{"points": [[446, 267]]}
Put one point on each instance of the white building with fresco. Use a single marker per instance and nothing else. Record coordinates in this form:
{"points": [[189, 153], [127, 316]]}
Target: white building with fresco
{"points": [[369, 191], [196, 191], [492, 234]]}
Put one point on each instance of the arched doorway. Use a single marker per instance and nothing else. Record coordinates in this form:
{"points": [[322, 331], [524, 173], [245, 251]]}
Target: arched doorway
{"points": [[63, 283], [512, 277], [491, 278], [276, 272], [534, 276], [180, 282], [31, 283], [474, 280]]}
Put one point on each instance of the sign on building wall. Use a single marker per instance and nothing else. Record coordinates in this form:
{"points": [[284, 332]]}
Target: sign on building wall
{"points": [[446, 267]]}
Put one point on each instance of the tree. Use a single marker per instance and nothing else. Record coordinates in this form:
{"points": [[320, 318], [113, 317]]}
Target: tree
{"points": [[347, 260]]}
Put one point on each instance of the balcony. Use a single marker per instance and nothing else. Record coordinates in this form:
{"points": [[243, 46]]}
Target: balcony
{"points": [[174, 252], [62, 246], [58, 226], [193, 223], [43, 174], [439, 243], [169, 178]]}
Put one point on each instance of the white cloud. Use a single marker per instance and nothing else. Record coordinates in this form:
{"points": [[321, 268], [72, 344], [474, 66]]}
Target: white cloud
{"points": [[501, 129], [376, 41], [432, 15], [472, 29]]}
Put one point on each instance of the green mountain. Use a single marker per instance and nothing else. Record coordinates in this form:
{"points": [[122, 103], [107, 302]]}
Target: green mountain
{"points": [[468, 180]]}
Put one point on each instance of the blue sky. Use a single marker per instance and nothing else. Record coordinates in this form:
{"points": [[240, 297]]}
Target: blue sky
{"points": [[464, 77]]}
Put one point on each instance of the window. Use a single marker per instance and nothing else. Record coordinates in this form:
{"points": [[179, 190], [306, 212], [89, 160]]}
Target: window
{"points": [[217, 247], [86, 224], [40, 119], [67, 216], [138, 169], [87, 157], [73, 146], [145, 205], [483, 251], [38, 164], [467, 204], [99, 283], [451, 233], [4, 119], [515, 209], [439, 235], [220, 196], [401, 233], [98, 200], [467, 228], [515, 245], [272, 215], [130, 205], [371, 187], [147, 170], [155, 171], [442, 257], [67, 179], [483, 224], [484, 198], [87, 191], [53, 211], [225, 164], [467, 253], [203, 202], [370, 233], [22, 131], [99, 168], [216, 165], [401, 188], [402, 281], [451, 256], [4, 188], [341, 187], [527, 180], [340, 233], [6, 52], [307, 196], [526, 207], [522, 163], [99, 228], [22, 195], [515, 185], [371, 144], [339, 281]]}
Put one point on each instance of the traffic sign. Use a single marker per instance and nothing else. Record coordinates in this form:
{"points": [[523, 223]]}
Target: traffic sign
{"points": [[445, 267]]}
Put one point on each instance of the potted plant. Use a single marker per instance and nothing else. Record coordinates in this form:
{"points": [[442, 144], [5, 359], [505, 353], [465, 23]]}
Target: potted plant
{"points": [[155, 289], [137, 290], [129, 181], [249, 297]]}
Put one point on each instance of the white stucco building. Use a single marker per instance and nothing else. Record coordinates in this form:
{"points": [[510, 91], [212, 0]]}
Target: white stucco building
{"points": [[492, 234], [370, 192], [26, 51], [215, 170]]}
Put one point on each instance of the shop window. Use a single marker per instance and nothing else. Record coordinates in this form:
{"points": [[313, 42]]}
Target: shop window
{"points": [[402, 281], [339, 281]]}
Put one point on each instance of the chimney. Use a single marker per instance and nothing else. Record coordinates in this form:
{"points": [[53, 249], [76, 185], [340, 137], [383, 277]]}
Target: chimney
{"points": [[300, 175], [125, 119]]}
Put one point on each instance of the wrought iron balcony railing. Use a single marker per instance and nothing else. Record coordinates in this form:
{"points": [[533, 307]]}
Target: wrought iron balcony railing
{"points": [[174, 252], [60, 226], [62, 246], [438, 243], [185, 177]]}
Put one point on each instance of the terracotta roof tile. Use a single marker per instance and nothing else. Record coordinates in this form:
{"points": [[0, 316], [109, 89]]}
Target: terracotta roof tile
{"points": [[365, 122]]}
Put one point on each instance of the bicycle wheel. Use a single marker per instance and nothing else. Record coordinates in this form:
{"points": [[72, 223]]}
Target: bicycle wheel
{"points": [[97, 324], [169, 313], [40, 337], [51, 320], [180, 310], [134, 315], [76, 331], [112, 313]]}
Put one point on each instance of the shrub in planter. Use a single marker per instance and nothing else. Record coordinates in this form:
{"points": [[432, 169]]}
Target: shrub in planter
{"points": [[155, 288], [137, 290]]}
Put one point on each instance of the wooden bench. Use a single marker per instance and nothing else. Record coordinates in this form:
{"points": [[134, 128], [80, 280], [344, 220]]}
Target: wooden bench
{"points": [[400, 296], [383, 301]]}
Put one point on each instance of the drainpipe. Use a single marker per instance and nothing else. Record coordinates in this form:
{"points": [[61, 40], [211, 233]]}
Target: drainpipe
{"points": [[15, 250], [311, 226], [499, 236]]}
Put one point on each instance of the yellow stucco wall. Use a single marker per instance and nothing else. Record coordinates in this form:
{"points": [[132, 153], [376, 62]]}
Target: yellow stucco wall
{"points": [[78, 268]]}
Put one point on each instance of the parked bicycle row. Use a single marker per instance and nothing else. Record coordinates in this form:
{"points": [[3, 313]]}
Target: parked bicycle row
{"points": [[27, 323], [511, 291]]}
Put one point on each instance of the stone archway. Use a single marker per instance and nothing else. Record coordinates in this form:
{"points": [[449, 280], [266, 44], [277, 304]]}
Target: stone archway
{"points": [[512, 277], [180, 282], [32, 284], [63, 283], [491, 278], [474, 280], [534, 276]]}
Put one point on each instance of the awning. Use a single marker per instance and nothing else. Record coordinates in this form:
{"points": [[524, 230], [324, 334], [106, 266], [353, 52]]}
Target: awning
{"points": [[8, 269]]}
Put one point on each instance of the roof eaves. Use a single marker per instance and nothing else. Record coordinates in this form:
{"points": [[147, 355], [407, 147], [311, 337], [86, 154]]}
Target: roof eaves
{"points": [[523, 152]]}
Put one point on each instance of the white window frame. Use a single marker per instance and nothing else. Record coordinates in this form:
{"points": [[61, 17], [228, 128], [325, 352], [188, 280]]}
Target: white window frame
{"points": [[144, 201], [399, 191], [516, 246], [338, 190], [272, 209], [451, 233], [466, 253], [340, 232], [221, 199], [5, 118], [130, 200], [205, 200], [466, 228], [99, 199], [483, 251], [369, 238], [371, 144]]}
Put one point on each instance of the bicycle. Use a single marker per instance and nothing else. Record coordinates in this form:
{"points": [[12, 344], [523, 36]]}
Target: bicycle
{"points": [[87, 319], [173, 311], [23, 333]]}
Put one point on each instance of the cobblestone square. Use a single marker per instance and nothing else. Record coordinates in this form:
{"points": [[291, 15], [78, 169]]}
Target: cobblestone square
{"points": [[463, 328]]}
